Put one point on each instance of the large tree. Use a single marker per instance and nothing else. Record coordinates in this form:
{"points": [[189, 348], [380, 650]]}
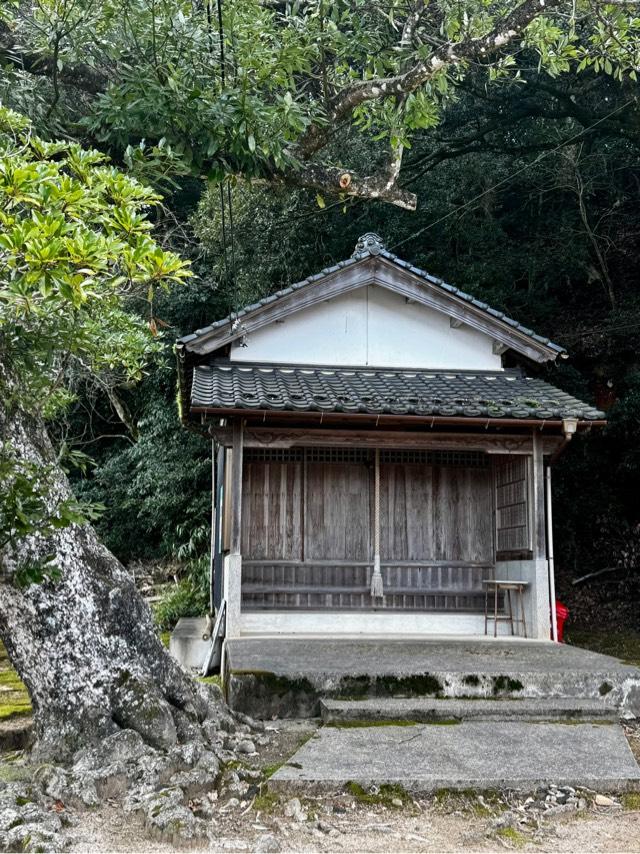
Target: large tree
{"points": [[78, 263]]}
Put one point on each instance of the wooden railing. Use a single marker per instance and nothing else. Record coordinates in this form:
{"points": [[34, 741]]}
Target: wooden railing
{"points": [[337, 584]]}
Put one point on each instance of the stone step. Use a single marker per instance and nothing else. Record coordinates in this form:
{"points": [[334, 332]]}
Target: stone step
{"points": [[427, 710], [16, 733], [481, 755], [288, 676]]}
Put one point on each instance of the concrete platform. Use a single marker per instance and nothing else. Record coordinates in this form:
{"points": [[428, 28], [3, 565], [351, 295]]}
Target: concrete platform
{"points": [[473, 755], [426, 710], [287, 676]]}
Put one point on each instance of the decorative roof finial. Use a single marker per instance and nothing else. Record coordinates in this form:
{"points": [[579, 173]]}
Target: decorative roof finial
{"points": [[369, 242]]}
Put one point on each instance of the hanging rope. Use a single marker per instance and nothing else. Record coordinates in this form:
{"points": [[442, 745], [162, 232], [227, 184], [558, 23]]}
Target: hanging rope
{"points": [[377, 586]]}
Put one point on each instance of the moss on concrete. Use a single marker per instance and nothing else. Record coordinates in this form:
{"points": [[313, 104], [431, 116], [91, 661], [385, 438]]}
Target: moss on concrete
{"points": [[415, 685], [506, 685], [384, 795], [14, 697], [14, 710], [270, 770], [211, 680], [366, 724]]}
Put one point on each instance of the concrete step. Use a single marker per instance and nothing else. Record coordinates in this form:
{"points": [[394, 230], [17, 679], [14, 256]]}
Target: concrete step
{"points": [[477, 755], [426, 710], [289, 676]]}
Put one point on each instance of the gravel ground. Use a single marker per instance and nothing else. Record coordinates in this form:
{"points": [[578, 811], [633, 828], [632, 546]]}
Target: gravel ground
{"points": [[430, 829], [252, 818]]}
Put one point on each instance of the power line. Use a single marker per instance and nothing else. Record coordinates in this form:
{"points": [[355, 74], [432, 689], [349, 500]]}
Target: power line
{"points": [[510, 177]]}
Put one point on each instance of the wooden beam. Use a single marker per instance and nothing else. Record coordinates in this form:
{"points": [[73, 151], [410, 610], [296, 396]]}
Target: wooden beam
{"points": [[493, 443], [329, 418], [236, 486], [539, 533]]}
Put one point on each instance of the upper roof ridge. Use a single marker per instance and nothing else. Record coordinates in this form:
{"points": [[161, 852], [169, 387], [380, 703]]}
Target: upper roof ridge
{"points": [[369, 242], [369, 245]]}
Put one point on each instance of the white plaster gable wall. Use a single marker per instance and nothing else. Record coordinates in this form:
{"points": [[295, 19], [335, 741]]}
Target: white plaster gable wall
{"points": [[370, 326]]}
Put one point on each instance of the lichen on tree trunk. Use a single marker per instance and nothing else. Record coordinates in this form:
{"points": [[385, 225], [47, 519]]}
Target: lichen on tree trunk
{"points": [[85, 645]]}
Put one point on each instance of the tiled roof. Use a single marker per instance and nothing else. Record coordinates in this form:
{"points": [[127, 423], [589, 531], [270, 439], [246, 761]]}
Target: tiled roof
{"points": [[366, 249], [500, 394]]}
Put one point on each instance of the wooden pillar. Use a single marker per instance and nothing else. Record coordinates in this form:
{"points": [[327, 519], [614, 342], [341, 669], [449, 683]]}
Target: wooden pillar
{"points": [[233, 561], [539, 532], [539, 573], [212, 597], [236, 488]]}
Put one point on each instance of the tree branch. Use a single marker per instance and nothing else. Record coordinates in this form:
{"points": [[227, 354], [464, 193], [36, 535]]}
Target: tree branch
{"points": [[450, 53], [333, 179]]}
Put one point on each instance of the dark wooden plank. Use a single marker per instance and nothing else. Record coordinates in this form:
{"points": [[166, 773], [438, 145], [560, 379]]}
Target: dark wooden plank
{"points": [[337, 503], [236, 489], [293, 437]]}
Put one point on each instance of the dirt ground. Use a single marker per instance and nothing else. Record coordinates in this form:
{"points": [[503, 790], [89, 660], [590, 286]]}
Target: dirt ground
{"points": [[349, 820], [428, 827]]}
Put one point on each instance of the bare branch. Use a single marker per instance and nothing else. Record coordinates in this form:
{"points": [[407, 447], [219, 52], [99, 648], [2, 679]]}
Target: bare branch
{"points": [[333, 179]]}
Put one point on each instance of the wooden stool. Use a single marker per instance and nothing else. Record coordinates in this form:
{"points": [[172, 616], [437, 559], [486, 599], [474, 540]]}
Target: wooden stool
{"points": [[507, 588]]}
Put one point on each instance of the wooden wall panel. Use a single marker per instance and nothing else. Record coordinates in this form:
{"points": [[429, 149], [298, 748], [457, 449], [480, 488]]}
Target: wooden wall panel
{"points": [[272, 510], [338, 512], [436, 513], [307, 534], [406, 524]]}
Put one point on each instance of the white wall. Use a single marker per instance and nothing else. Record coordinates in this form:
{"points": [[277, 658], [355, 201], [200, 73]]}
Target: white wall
{"points": [[336, 623], [370, 326]]}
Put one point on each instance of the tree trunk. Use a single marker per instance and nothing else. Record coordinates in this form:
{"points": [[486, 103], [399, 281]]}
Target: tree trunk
{"points": [[85, 645]]}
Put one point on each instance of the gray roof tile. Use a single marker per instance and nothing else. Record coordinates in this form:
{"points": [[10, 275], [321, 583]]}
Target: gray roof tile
{"points": [[500, 394]]}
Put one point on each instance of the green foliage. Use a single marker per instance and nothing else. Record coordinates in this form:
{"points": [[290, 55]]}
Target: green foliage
{"points": [[75, 250], [241, 104], [189, 598], [28, 507], [157, 489]]}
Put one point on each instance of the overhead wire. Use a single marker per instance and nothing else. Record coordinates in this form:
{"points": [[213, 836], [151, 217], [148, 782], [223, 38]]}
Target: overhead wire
{"points": [[510, 177]]}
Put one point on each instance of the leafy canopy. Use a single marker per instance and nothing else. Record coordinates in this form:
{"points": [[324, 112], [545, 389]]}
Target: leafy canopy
{"points": [[76, 256], [276, 93]]}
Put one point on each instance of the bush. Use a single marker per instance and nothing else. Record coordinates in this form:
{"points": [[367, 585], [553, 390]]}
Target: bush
{"points": [[189, 598]]}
